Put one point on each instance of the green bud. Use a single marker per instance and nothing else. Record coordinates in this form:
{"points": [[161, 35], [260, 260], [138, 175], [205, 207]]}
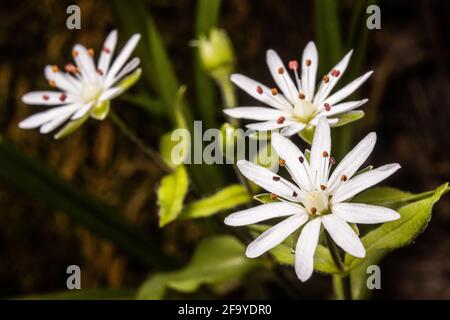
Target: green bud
{"points": [[216, 53]]}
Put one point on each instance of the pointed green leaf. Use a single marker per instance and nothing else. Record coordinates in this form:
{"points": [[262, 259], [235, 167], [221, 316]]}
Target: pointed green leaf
{"points": [[171, 193], [217, 261], [227, 198]]}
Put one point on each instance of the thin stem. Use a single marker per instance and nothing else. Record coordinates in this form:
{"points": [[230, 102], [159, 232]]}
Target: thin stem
{"points": [[152, 154], [341, 284]]}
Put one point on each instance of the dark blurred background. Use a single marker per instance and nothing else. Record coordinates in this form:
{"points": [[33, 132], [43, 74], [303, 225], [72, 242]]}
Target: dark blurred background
{"points": [[409, 109]]}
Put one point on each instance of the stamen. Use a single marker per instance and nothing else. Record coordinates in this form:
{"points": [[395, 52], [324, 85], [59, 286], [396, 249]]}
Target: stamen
{"points": [[106, 50], [259, 90], [45, 97], [326, 79], [301, 95], [91, 52], [55, 68], [332, 160], [74, 53], [100, 72], [62, 97], [325, 154], [280, 70], [335, 73], [273, 196], [70, 67], [322, 187], [282, 162], [276, 178], [308, 62], [327, 107], [293, 64], [344, 178], [301, 159], [313, 210], [274, 91], [294, 194], [52, 83], [280, 120]]}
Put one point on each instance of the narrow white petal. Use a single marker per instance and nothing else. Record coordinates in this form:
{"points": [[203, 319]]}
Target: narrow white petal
{"points": [[309, 73], [62, 81], [343, 235], [331, 121], [122, 58], [347, 90], [362, 181], [265, 179], [352, 161], [256, 113], [268, 125], [282, 79], [59, 120], [325, 88], [292, 129], [130, 66], [262, 213], [364, 213], [107, 52], [81, 112], [275, 235], [110, 94], [288, 151], [47, 98], [85, 63], [38, 119], [343, 107], [305, 249], [252, 87], [320, 152]]}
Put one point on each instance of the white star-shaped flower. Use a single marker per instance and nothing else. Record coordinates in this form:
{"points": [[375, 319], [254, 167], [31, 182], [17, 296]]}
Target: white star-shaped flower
{"points": [[298, 105], [84, 88], [315, 199]]}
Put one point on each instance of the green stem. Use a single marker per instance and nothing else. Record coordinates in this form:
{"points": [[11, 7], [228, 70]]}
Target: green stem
{"points": [[152, 154], [341, 284]]}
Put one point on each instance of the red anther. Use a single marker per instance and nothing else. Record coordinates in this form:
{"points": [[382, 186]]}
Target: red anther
{"points": [[301, 159], [332, 160], [325, 154], [308, 62], [326, 79], [100, 72], [106, 50], [276, 178], [335, 73], [293, 64], [313, 210], [70, 67], [55, 68], [280, 70], [327, 107], [322, 187], [259, 90], [91, 52], [344, 178], [52, 83], [274, 91], [273, 196], [301, 95], [74, 53], [294, 194], [45, 97], [62, 97], [282, 162], [281, 119]]}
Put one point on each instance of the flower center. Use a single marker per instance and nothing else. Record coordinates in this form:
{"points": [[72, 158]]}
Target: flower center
{"points": [[304, 110], [316, 202], [90, 91]]}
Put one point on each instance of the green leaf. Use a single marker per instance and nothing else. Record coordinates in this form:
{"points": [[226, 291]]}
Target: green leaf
{"points": [[227, 198], [32, 178], [174, 152], [70, 127], [307, 134], [171, 193], [217, 261], [395, 234], [348, 117]]}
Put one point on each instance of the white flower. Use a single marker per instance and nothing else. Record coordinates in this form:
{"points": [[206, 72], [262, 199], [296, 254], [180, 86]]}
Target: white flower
{"points": [[84, 89], [316, 199], [298, 105]]}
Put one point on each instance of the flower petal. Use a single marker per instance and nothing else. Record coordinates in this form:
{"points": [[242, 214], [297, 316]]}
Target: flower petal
{"points": [[59, 120], [275, 235], [352, 161], [292, 129], [38, 119], [364, 213], [264, 94], [110, 94], [281, 76], [305, 249], [81, 112], [362, 181], [343, 235], [62, 81], [262, 213], [310, 62], [256, 113], [85, 63], [326, 87], [47, 98], [343, 107], [288, 151], [265, 179], [268, 125], [107, 52], [122, 58], [320, 153], [347, 90], [130, 66]]}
